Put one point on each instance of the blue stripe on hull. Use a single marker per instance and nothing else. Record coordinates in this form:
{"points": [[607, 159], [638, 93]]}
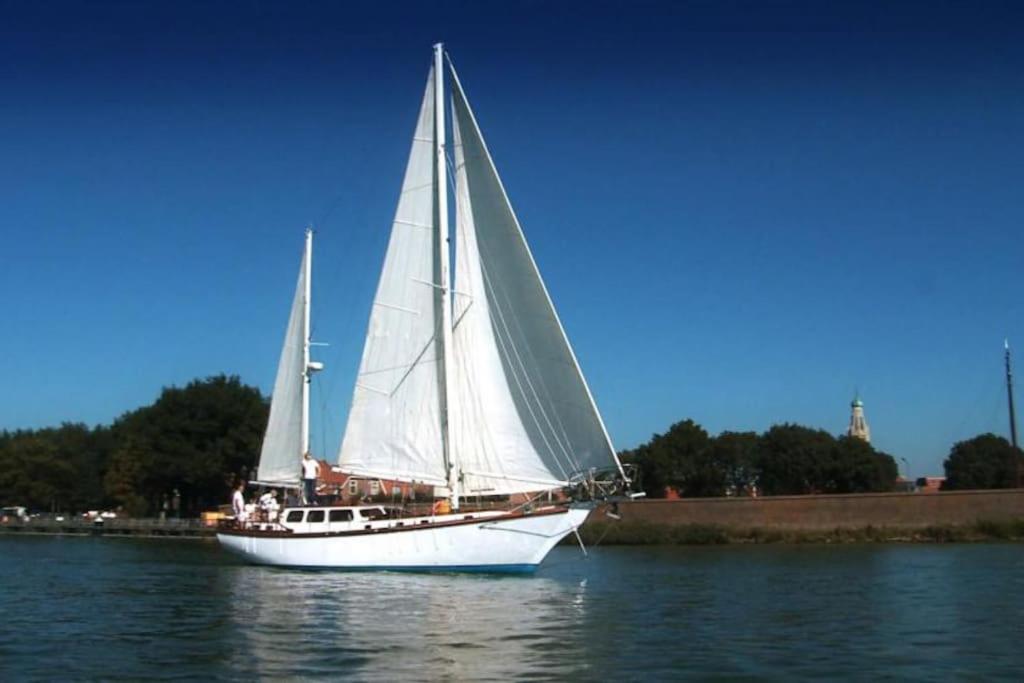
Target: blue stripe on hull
{"points": [[467, 569]]}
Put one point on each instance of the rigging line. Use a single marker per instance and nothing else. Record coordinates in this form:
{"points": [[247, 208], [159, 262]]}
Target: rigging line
{"points": [[520, 375], [488, 282], [483, 436], [462, 315], [607, 528], [504, 346], [496, 465], [414, 188], [562, 437], [560, 433], [331, 206], [323, 414], [394, 367], [416, 361], [486, 453], [488, 162]]}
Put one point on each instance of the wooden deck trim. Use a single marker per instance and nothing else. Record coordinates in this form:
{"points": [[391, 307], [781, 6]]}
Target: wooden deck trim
{"points": [[256, 533]]}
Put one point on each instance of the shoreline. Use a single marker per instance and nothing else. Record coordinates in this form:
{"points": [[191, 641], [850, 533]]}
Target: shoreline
{"points": [[624, 533], [615, 533]]}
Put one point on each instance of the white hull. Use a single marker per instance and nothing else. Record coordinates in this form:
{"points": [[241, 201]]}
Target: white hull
{"points": [[490, 542]]}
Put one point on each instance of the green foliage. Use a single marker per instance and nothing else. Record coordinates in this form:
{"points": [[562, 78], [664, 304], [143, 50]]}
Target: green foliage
{"points": [[793, 460], [194, 440], [53, 469], [985, 462], [676, 459], [788, 459], [735, 455]]}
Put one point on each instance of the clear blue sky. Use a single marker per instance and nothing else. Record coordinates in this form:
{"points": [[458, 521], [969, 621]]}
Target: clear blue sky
{"points": [[744, 210]]}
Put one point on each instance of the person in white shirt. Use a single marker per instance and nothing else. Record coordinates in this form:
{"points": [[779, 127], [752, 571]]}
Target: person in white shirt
{"points": [[310, 471], [269, 506], [238, 504]]}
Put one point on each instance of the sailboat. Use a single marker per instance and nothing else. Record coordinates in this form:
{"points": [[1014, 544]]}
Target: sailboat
{"points": [[466, 384]]}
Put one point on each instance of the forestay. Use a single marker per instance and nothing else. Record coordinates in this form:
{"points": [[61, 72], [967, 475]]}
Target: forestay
{"points": [[524, 419], [282, 443], [394, 424]]}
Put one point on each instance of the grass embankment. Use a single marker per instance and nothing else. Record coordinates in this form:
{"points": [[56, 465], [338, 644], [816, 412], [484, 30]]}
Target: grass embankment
{"points": [[645, 533]]}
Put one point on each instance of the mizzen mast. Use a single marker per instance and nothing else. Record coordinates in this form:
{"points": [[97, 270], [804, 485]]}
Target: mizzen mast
{"points": [[308, 366]]}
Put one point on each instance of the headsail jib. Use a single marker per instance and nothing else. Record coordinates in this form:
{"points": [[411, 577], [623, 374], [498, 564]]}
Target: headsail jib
{"points": [[526, 415]]}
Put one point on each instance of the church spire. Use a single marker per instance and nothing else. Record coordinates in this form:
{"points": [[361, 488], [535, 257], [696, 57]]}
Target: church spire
{"points": [[858, 425]]}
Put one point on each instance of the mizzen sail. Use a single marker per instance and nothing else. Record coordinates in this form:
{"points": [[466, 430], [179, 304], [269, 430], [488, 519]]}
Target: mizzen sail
{"points": [[282, 442]]}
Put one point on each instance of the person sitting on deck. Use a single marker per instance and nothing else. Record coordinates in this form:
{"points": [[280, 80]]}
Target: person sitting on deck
{"points": [[269, 506]]}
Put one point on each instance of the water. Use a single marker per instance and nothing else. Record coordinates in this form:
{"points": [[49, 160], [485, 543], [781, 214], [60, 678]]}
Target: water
{"points": [[123, 609]]}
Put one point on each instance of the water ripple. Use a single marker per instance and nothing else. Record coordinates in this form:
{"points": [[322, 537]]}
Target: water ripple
{"points": [[119, 609]]}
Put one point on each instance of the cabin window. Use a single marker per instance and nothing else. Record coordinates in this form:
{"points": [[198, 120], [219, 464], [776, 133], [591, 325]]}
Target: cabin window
{"points": [[353, 486], [295, 516], [374, 487], [341, 516], [315, 516]]}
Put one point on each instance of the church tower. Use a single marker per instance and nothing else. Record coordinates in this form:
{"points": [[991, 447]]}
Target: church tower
{"points": [[858, 425]]}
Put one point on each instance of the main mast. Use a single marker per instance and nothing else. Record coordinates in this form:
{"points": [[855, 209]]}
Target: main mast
{"points": [[441, 187]]}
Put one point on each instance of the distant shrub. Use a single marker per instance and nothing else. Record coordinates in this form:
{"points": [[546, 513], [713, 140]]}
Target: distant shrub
{"points": [[699, 534]]}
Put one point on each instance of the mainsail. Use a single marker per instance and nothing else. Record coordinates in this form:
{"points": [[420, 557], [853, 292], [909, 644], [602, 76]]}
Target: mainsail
{"points": [[524, 417], [282, 442], [394, 425], [512, 413]]}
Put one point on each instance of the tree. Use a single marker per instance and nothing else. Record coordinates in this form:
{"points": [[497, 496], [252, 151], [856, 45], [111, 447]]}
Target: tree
{"points": [[54, 468], [125, 480], [193, 441], [33, 475], [985, 462], [856, 467], [794, 460], [675, 459], [735, 455]]}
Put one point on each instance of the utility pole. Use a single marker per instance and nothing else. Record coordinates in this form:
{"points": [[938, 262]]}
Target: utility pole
{"points": [[1015, 469], [1009, 395]]}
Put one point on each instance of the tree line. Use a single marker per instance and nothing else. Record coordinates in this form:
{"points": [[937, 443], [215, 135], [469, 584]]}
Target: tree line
{"points": [[790, 459], [182, 453]]}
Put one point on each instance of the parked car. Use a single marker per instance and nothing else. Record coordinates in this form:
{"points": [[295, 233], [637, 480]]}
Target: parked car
{"points": [[14, 513]]}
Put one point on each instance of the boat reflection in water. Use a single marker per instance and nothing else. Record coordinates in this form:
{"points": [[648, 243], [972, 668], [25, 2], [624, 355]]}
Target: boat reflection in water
{"points": [[400, 626]]}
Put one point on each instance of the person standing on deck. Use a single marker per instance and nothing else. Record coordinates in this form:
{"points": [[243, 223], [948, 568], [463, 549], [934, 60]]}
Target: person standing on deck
{"points": [[310, 471], [238, 503]]}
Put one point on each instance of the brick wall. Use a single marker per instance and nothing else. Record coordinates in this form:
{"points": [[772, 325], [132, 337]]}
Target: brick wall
{"points": [[908, 510]]}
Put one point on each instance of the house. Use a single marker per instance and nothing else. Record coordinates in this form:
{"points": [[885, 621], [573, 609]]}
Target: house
{"points": [[930, 484], [349, 489]]}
